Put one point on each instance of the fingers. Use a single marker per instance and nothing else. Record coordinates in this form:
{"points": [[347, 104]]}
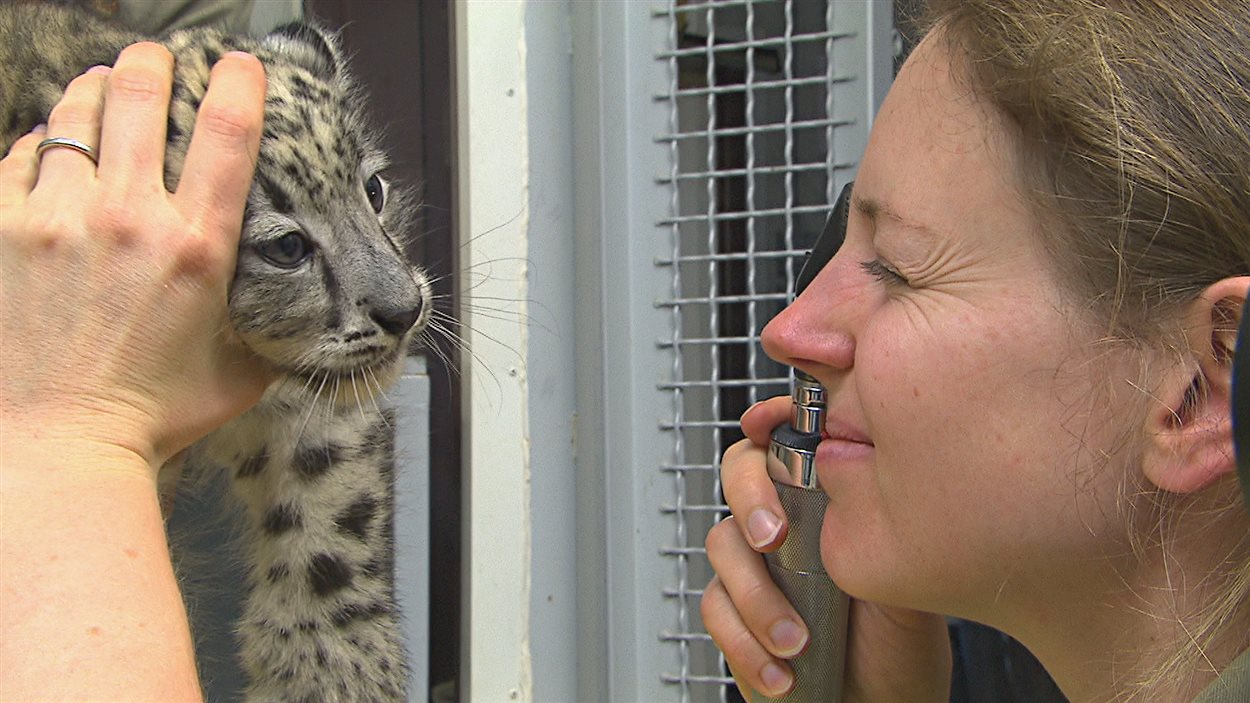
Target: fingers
{"points": [[222, 156], [760, 419], [20, 168], [751, 496], [132, 140], [76, 116], [752, 667], [764, 608], [747, 615], [744, 477]]}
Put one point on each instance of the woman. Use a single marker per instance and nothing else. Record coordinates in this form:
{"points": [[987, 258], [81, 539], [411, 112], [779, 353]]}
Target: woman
{"points": [[113, 358], [1026, 338]]}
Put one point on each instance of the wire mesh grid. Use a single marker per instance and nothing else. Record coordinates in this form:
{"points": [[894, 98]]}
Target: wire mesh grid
{"points": [[752, 175]]}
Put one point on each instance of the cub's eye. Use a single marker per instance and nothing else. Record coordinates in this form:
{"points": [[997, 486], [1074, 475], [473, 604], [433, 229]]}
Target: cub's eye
{"points": [[288, 251], [376, 192]]}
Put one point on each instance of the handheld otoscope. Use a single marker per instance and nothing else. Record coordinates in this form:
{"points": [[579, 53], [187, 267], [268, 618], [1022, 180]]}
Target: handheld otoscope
{"points": [[795, 566]]}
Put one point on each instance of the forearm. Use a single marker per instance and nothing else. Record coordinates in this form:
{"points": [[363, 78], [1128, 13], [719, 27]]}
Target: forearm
{"points": [[89, 605]]}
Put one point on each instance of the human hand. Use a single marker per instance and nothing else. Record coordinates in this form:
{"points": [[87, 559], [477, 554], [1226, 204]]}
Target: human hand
{"points": [[113, 290], [893, 654]]}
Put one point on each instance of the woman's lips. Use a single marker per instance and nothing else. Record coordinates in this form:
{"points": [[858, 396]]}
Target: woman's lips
{"points": [[841, 442], [837, 430]]}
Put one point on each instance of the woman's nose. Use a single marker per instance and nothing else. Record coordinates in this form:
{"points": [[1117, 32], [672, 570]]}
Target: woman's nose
{"points": [[814, 332]]}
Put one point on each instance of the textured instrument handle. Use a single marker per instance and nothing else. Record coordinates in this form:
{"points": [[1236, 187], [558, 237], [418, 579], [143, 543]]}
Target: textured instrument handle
{"points": [[797, 570]]}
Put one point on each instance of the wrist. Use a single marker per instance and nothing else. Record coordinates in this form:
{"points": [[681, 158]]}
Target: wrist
{"points": [[59, 453], [80, 415]]}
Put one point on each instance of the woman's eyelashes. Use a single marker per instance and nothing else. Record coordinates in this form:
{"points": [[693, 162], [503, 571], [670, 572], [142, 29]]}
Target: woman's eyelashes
{"points": [[883, 272]]}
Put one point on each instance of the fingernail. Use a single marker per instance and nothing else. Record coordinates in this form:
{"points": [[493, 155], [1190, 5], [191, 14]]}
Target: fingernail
{"points": [[788, 638], [748, 410], [776, 679], [40, 129], [763, 527], [100, 69]]}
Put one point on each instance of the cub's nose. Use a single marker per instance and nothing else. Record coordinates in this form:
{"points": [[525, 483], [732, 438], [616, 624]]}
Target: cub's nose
{"points": [[398, 318]]}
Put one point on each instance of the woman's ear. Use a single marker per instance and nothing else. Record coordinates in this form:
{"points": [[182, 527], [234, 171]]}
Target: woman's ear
{"points": [[1191, 431]]}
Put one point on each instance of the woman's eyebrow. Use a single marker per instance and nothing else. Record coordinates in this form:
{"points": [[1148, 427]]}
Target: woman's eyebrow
{"points": [[876, 210]]}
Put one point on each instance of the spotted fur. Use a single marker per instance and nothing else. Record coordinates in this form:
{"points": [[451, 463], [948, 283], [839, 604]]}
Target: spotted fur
{"points": [[323, 291]]}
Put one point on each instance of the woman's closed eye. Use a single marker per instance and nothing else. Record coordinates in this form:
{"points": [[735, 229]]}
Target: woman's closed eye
{"points": [[883, 272]]}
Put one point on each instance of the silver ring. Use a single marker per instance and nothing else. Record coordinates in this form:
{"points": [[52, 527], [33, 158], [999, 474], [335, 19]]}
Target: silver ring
{"points": [[52, 142]]}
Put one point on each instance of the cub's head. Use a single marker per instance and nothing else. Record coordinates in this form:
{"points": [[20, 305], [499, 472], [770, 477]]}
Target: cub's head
{"points": [[323, 288]]}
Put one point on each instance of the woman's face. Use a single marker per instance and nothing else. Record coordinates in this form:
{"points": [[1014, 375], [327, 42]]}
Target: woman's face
{"points": [[959, 465]]}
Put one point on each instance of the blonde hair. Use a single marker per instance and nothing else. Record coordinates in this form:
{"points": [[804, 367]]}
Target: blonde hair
{"points": [[1133, 123]]}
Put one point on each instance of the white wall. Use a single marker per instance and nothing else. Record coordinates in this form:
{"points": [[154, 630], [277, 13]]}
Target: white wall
{"points": [[515, 218]]}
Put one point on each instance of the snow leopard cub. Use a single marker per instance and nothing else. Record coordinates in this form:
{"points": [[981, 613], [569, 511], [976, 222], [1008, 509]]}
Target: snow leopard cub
{"points": [[323, 291]]}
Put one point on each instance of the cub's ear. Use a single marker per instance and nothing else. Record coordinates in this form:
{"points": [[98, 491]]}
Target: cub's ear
{"points": [[308, 45]]}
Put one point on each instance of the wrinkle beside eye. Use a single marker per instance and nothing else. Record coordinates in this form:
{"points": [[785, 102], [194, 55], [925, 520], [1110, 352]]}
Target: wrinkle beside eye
{"points": [[939, 265]]}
